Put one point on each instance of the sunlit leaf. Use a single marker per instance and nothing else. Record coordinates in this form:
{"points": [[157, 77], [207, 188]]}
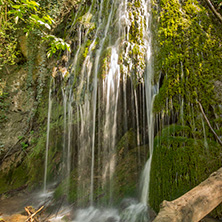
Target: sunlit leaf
{"points": [[47, 26], [16, 6], [16, 19], [34, 3], [35, 17]]}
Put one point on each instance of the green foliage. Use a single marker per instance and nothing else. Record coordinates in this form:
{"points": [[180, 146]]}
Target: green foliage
{"points": [[188, 48], [7, 40], [13, 179], [31, 14], [218, 5], [24, 145], [189, 53], [55, 44], [28, 17]]}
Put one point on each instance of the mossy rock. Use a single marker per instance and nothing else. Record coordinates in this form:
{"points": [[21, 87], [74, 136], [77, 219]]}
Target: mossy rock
{"points": [[130, 162], [13, 180], [179, 164], [127, 142]]}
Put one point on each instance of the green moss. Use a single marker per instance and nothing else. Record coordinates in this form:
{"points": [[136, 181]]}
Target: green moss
{"points": [[14, 179], [35, 160], [188, 53], [127, 173], [104, 62], [71, 183], [128, 167], [128, 141], [187, 45], [179, 164]]}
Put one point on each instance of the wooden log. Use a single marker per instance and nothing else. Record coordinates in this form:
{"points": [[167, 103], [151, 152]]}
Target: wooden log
{"points": [[195, 204]]}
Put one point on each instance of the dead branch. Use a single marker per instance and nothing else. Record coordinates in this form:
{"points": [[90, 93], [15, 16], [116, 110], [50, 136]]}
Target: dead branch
{"points": [[31, 217], [211, 128], [218, 15]]}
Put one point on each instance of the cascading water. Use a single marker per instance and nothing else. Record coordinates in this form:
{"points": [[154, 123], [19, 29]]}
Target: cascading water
{"points": [[150, 94], [104, 97], [47, 137]]}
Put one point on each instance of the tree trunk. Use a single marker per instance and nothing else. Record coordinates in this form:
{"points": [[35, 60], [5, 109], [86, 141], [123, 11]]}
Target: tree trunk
{"points": [[195, 204]]}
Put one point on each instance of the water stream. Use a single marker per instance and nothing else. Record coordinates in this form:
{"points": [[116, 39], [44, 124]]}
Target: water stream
{"points": [[47, 137], [96, 110]]}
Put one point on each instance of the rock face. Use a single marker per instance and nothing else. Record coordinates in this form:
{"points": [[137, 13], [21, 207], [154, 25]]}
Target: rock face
{"points": [[23, 45], [19, 105]]}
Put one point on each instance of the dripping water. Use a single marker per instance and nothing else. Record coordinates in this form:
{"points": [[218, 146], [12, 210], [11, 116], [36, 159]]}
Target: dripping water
{"points": [[87, 100], [150, 93], [47, 135]]}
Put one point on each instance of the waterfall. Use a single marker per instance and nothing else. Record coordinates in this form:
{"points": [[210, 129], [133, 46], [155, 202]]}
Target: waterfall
{"points": [[108, 93], [111, 90], [64, 131], [98, 55], [47, 136], [70, 111], [150, 95]]}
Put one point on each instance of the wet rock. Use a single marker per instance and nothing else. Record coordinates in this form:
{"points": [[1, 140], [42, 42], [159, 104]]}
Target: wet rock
{"points": [[126, 203], [152, 214], [111, 219]]}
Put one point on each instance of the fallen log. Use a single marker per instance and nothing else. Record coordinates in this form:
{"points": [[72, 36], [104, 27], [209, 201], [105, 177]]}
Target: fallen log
{"points": [[195, 204]]}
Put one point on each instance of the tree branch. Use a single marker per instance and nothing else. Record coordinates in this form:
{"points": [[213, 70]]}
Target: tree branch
{"points": [[211, 128], [218, 15], [32, 215]]}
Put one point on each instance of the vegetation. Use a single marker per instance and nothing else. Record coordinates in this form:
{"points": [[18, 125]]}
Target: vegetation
{"points": [[24, 16], [187, 45], [218, 5], [188, 63], [180, 163]]}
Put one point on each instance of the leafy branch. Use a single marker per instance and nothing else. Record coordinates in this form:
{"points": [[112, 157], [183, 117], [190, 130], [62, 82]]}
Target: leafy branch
{"points": [[55, 44], [31, 17]]}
